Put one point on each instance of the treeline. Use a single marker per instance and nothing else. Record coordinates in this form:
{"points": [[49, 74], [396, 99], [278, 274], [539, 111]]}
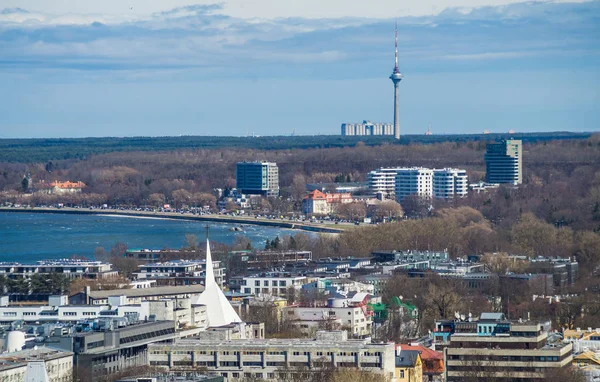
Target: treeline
{"points": [[561, 178], [43, 150]]}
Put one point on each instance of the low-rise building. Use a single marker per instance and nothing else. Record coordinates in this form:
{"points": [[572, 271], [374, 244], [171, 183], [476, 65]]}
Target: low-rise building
{"points": [[56, 187], [136, 296], [107, 349], [409, 367], [269, 359], [180, 272], [352, 314], [589, 363], [58, 364], [69, 267], [272, 283], [583, 339], [318, 203]]}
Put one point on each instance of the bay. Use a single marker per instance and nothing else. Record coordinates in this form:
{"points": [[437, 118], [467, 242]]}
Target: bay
{"points": [[29, 237]]}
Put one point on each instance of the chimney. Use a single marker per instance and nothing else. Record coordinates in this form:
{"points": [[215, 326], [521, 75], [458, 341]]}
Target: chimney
{"points": [[86, 293]]}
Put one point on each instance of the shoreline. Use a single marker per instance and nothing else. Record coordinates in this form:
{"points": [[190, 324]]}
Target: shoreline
{"points": [[303, 226]]}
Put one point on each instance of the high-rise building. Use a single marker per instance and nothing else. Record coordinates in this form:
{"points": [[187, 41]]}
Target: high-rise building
{"points": [[503, 162], [396, 77], [259, 178]]}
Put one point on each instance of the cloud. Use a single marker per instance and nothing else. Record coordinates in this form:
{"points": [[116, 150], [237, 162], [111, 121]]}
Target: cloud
{"points": [[204, 38]]}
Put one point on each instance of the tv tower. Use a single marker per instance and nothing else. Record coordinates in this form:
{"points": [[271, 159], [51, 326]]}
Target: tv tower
{"points": [[396, 77]]}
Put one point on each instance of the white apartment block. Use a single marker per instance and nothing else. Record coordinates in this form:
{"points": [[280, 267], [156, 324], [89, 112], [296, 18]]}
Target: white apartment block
{"points": [[413, 181], [58, 364], [271, 359], [443, 183], [272, 283], [449, 183], [345, 314], [382, 180]]}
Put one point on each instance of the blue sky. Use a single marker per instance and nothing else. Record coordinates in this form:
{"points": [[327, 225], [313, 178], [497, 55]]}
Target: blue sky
{"points": [[172, 67]]}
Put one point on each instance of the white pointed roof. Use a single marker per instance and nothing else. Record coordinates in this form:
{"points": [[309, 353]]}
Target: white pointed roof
{"points": [[219, 310]]}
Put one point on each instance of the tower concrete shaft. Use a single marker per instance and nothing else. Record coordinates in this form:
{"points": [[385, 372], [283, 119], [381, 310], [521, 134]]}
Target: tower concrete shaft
{"points": [[396, 77]]}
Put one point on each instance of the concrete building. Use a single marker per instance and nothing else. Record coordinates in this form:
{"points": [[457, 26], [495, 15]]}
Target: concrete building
{"points": [[260, 178], [109, 349], [409, 256], [493, 347], [503, 162], [396, 77], [367, 128], [136, 296], [58, 364], [180, 272], [270, 359], [270, 259], [68, 267]]}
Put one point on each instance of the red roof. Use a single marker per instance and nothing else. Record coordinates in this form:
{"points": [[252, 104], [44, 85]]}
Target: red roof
{"points": [[433, 361], [316, 194]]}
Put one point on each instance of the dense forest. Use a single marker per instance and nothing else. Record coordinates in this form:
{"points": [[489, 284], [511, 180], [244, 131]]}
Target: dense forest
{"points": [[43, 150]]}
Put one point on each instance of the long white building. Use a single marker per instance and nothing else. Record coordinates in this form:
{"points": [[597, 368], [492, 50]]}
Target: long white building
{"points": [[266, 359], [401, 182], [382, 180]]}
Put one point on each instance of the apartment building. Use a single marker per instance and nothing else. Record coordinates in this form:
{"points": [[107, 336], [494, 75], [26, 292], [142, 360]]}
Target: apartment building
{"points": [[271, 283], [382, 181], [448, 183], [271, 359], [504, 162], [319, 203], [68, 267], [267, 260], [493, 347], [180, 272], [401, 182], [260, 178], [351, 314]]}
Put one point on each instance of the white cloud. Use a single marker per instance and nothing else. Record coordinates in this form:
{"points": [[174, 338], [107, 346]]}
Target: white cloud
{"points": [[80, 11]]}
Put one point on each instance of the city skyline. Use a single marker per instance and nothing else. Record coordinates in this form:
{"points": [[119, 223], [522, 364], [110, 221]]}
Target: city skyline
{"points": [[76, 72]]}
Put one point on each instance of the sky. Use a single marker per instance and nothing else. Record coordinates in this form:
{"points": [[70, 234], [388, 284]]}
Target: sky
{"points": [[80, 68]]}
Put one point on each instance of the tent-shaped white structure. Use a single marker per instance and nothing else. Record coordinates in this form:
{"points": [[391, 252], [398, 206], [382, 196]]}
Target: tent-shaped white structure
{"points": [[219, 310], [36, 372]]}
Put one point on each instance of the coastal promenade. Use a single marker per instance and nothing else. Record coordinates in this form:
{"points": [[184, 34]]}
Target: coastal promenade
{"points": [[305, 226]]}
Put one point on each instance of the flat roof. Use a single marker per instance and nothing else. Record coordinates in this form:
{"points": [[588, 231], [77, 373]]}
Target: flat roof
{"points": [[20, 358], [153, 291]]}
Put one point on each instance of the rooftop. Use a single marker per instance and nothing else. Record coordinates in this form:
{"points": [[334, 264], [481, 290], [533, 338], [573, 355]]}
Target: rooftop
{"points": [[154, 291], [20, 358]]}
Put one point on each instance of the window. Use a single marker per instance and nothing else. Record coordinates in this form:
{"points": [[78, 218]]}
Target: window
{"points": [[401, 373], [257, 283]]}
